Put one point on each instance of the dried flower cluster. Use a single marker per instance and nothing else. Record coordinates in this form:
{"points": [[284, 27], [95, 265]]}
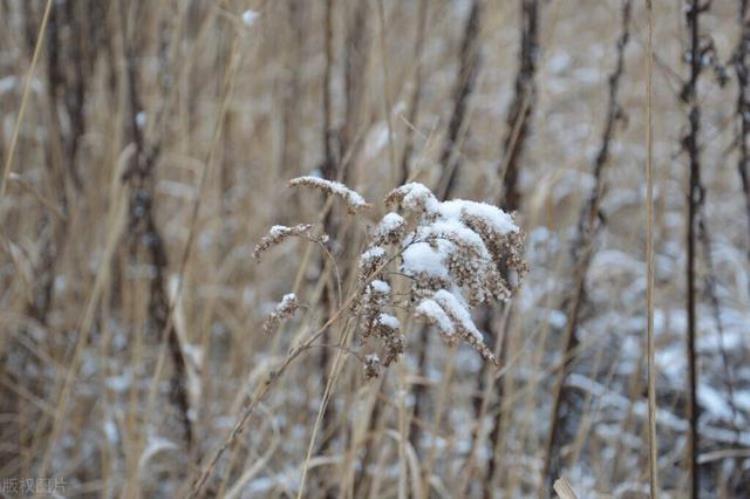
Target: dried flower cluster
{"points": [[354, 201], [383, 325], [278, 234], [372, 366], [455, 254], [284, 310]]}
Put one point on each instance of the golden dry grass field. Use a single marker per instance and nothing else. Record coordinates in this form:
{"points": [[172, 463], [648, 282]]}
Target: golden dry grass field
{"points": [[147, 149]]}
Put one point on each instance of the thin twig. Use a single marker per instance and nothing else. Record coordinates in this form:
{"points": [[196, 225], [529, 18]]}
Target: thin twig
{"points": [[25, 97], [522, 107], [589, 226], [742, 70], [695, 199], [650, 344]]}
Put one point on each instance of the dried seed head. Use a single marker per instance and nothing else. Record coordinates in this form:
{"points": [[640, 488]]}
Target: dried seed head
{"points": [[283, 311], [390, 230], [388, 329], [415, 198], [370, 261], [394, 346], [278, 234], [372, 366], [454, 321], [374, 300], [354, 201], [429, 311], [506, 248], [457, 255]]}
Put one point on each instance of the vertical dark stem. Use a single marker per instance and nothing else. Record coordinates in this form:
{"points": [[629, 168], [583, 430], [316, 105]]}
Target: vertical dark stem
{"points": [[144, 232], [495, 436], [710, 282], [695, 199], [519, 114], [338, 151], [66, 91], [334, 167], [589, 225], [469, 58], [75, 91], [742, 70], [330, 170], [328, 160], [356, 53], [518, 121], [416, 94], [420, 391]]}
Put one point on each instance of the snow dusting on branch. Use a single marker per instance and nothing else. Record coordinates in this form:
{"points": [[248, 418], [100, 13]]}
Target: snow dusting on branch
{"points": [[446, 257], [284, 310], [354, 201], [457, 254]]}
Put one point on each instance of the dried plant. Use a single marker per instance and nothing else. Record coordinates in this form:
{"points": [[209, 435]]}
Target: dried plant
{"points": [[453, 256], [278, 234], [284, 310], [147, 350], [354, 201]]}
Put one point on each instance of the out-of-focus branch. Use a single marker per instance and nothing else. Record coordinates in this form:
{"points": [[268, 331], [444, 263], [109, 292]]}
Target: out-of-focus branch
{"points": [[522, 107], [696, 193], [589, 225]]}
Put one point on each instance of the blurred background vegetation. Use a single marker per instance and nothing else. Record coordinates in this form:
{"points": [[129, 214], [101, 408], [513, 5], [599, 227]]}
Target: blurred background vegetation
{"points": [[146, 147]]}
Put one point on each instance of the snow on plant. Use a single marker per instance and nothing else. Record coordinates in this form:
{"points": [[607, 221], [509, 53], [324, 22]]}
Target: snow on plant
{"points": [[284, 310], [457, 254], [454, 255], [278, 234], [354, 201]]}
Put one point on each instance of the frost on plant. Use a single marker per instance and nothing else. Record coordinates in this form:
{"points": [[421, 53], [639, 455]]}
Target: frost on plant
{"points": [[444, 258], [278, 234], [456, 254], [283, 311], [354, 201]]}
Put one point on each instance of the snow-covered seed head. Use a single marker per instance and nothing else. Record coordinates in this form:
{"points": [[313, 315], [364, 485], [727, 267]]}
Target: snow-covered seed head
{"points": [[387, 329], [374, 300], [353, 200], [455, 254], [460, 254], [285, 309], [415, 198], [278, 234], [505, 246], [370, 261], [453, 321], [372, 366], [390, 230]]}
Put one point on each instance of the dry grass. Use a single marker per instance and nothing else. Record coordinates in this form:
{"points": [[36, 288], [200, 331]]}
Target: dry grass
{"points": [[150, 151]]}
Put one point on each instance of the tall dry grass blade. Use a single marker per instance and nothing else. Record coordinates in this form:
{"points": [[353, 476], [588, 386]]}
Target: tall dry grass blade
{"points": [[116, 222], [564, 489], [650, 344], [25, 98], [416, 95], [387, 101]]}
